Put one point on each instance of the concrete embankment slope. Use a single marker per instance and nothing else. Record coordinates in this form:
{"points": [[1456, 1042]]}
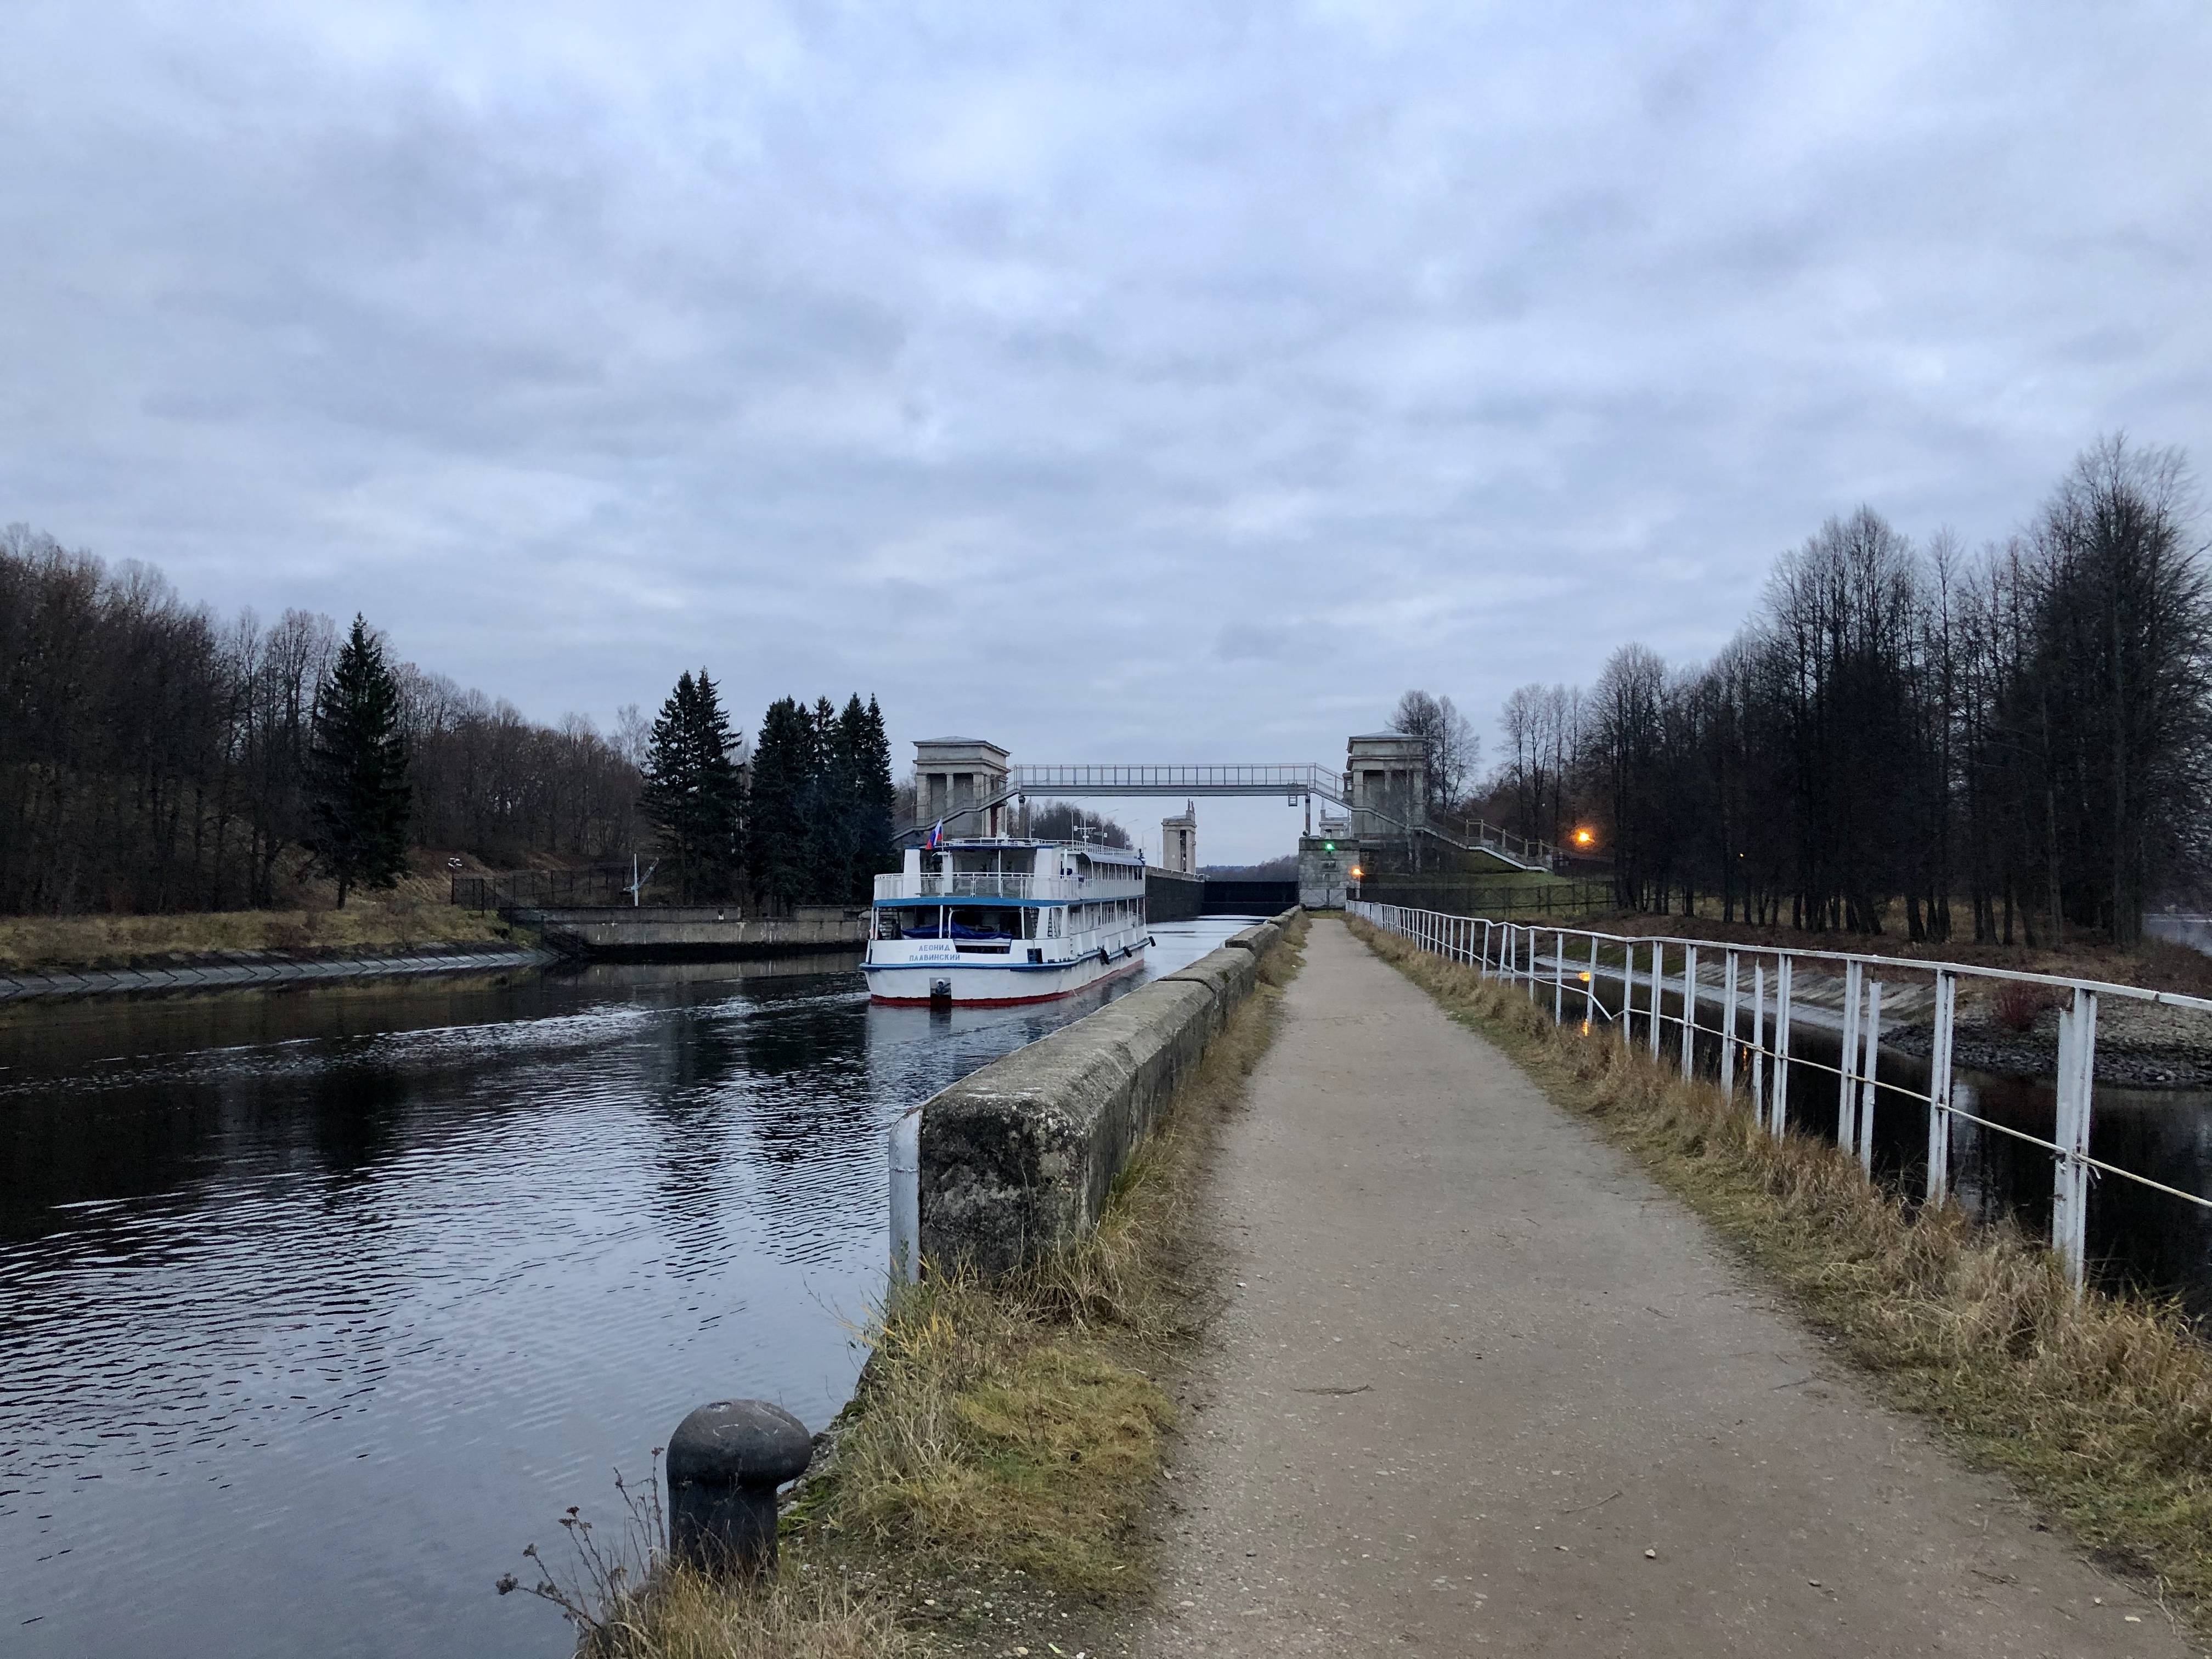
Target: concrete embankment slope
{"points": [[1019, 1156], [1482, 1387], [248, 970], [668, 933]]}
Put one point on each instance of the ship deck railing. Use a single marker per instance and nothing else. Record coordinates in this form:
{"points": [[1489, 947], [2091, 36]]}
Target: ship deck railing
{"points": [[992, 883]]}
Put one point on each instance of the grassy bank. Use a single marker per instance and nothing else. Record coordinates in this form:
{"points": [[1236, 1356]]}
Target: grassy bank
{"points": [[2099, 1408], [414, 914], [989, 1477]]}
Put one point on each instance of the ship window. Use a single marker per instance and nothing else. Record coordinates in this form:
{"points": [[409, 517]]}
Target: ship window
{"points": [[1028, 924], [974, 922], [1052, 923]]}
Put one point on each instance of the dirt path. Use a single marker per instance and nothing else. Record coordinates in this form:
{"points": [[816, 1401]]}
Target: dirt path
{"points": [[1478, 1368]]}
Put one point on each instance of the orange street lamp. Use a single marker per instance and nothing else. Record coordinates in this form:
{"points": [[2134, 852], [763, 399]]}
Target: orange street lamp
{"points": [[1357, 873], [1584, 837]]}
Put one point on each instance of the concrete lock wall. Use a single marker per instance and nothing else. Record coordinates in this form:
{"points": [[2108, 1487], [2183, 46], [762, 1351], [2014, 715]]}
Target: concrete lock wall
{"points": [[1017, 1158], [1171, 897]]}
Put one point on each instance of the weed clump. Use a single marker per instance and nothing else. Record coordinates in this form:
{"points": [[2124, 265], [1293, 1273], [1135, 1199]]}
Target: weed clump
{"points": [[2100, 1407]]}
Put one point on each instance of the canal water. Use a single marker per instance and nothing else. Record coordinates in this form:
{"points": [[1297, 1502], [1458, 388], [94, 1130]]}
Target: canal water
{"points": [[316, 1306]]}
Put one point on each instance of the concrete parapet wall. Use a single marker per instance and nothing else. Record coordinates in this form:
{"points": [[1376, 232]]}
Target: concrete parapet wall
{"points": [[1017, 1158], [1257, 938]]}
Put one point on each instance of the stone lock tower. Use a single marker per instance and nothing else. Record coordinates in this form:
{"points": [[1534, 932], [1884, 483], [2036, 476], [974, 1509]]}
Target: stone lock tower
{"points": [[1179, 842]]}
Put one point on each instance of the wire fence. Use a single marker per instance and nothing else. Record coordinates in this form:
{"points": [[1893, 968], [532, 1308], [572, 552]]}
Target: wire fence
{"points": [[1752, 994], [1499, 899], [596, 885]]}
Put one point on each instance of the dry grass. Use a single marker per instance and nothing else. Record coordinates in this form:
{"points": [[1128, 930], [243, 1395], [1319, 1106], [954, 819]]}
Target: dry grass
{"points": [[798, 1614], [2101, 1408], [627, 1599], [415, 914]]}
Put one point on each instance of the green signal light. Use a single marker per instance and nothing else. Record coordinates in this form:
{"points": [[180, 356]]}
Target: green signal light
{"points": [[1328, 847]]}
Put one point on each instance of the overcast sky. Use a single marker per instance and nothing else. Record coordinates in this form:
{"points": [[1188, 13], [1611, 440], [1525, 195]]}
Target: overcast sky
{"points": [[1117, 381]]}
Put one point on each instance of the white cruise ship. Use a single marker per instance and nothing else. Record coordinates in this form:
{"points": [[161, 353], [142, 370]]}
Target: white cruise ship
{"points": [[998, 922]]}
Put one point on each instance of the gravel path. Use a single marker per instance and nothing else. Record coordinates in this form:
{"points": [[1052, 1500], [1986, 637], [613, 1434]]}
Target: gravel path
{"points": [[1482, 1387]]}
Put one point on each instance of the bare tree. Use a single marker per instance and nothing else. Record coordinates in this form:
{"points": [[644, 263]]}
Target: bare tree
{"points": [[1451, 751], [1540, 723], [152, 758]]}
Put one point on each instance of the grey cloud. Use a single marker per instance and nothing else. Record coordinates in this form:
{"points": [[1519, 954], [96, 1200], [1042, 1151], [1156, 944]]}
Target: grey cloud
{"points": [[1028, 364]]}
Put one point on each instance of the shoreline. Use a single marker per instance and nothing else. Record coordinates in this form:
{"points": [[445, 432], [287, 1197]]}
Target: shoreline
{"points": [[990, 1489], [247, 969]]}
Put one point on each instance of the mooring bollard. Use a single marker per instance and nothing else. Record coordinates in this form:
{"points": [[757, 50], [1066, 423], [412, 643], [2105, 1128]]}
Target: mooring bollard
{"points": [[725, 1461]]}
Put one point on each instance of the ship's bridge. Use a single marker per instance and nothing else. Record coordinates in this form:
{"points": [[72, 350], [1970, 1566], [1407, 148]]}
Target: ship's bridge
{"points": [[1020, 871]]}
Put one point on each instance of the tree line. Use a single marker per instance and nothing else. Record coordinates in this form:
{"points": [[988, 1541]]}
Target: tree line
{"points": [[2011, 742], [806, 820], [156, 757]]}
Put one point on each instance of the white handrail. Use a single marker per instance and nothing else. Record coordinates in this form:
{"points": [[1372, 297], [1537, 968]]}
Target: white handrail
{"points": [[1505, 943]]}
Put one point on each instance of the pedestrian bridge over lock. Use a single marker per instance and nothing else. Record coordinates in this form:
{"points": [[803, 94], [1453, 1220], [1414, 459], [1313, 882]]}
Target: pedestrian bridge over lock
{"points": [[970, 786]]}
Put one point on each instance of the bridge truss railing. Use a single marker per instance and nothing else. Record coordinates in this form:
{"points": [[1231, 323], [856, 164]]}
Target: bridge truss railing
{"points": [[1758, 988], [1289, 779]]}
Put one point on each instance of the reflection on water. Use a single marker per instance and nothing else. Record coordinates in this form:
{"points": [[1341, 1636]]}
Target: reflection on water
{"points": [[2194, 931], [317, 1306]]}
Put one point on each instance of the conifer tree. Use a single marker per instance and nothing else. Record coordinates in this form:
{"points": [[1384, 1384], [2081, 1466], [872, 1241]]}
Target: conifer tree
{"points": [[359, 796], [780, 838], [692, 794], [864, 763]]}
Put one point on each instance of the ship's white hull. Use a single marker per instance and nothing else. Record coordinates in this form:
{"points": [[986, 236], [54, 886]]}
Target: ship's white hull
{"points": [[995, 984]]}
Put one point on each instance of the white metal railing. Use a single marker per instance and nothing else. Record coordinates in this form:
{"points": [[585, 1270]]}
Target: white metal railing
{"points": [[991, 883], [1287, 779], [1515, 951]]}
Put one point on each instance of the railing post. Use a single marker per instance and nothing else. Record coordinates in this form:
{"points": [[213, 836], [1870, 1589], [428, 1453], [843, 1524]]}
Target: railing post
{"points": [[1559, 978], [1939, 1090], [902, 1159], [1847, 1089], [1758, 1040], [2078, 1068], [1727, 1027], [1531, 930], [1658, 970], [1590, 997], [1782, 970], [1689, 1008], [1870, 1061]]}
